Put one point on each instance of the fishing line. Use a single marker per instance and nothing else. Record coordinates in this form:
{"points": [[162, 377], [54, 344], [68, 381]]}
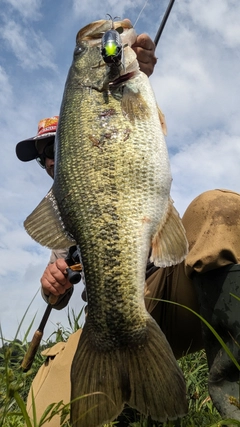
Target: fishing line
{"points": [[141, 11], [163, 22]]}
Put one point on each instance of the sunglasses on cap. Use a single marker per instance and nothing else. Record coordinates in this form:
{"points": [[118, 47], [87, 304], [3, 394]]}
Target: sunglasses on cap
{"points": [[48, 152]]}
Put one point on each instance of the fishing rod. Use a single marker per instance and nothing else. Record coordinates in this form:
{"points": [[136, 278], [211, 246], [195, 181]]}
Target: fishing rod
{"points": [[163, 23], [74, 276]]}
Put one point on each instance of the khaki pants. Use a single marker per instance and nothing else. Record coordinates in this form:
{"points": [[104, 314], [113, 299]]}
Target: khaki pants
{"points": [[212, 223], [52, 382]]}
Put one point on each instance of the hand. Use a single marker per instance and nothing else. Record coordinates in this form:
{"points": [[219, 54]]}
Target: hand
{"points": [[54, 279], [144, 48]]}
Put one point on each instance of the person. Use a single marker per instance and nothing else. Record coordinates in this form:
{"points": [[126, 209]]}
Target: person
{"points": [[204, 283]]}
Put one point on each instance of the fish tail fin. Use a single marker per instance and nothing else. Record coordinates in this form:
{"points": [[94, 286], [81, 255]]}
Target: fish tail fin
{"points": [[146, 377], [157, 384], [96, 395], [169, 244]]}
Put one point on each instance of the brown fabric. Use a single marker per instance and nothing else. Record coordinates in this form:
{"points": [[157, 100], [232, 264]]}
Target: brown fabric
{"points": [[52, 382], [212, 224], [58, 253], [181, 327]]}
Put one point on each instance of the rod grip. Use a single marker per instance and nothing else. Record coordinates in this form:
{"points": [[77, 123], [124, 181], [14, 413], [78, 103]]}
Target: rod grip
{"points": [[32, 349]]}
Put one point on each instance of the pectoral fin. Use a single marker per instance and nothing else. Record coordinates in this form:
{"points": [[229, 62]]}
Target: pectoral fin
{"points": [[134, 104], [169, 244], [45, 225]]}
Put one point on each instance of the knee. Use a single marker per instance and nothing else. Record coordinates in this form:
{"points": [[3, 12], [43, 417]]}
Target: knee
{"points": [[218, 205]]}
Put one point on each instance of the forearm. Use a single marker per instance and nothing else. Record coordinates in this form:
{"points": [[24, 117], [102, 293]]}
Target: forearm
{"points": [[59, 253]]}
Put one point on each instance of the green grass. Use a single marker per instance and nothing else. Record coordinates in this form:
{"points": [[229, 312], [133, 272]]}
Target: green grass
{"points": [[14, 385]]}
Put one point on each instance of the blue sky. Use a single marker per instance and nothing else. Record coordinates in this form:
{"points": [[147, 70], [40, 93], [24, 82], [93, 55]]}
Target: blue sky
{"points": [[196, 82]]}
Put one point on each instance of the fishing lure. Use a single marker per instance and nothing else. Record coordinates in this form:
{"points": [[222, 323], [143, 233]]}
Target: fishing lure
{"points": [[112, 48]]}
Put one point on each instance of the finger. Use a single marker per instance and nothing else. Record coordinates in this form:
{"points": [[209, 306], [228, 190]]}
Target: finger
{"points": [[53, 288], [54, 273], [53, 280], [145, 42]]}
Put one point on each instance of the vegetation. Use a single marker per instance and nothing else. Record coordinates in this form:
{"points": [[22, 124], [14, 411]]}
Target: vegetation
{"points": [[15, 385]]}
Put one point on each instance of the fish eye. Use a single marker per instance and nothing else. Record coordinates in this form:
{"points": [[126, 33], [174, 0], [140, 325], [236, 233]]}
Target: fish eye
{"points": [[79, 49]]}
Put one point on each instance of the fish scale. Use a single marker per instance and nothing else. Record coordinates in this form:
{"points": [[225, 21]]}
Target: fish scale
{"points": [[106, 173], [111, 196]]}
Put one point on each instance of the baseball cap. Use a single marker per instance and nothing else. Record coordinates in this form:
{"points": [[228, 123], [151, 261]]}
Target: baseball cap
{"points": [[26, 150]]}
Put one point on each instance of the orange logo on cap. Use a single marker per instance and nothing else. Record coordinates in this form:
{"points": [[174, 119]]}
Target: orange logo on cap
{"points": [[47, 125]]}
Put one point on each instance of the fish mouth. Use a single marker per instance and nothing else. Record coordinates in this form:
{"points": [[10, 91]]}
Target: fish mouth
{"points": [[94, 31]]}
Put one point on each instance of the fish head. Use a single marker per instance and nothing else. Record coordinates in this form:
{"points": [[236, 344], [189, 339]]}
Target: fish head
{"points": [[90, 67]]}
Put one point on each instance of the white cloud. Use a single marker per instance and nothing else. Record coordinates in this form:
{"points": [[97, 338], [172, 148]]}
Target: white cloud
{"points": [[111, 7], [6, 93], [26, 8], [210, 161], [220, 18], [198, 80], [5, 87], [30, 48]]}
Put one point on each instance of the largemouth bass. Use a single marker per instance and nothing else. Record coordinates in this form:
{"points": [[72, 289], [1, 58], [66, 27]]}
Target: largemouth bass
{"points": [[111, 196]]}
